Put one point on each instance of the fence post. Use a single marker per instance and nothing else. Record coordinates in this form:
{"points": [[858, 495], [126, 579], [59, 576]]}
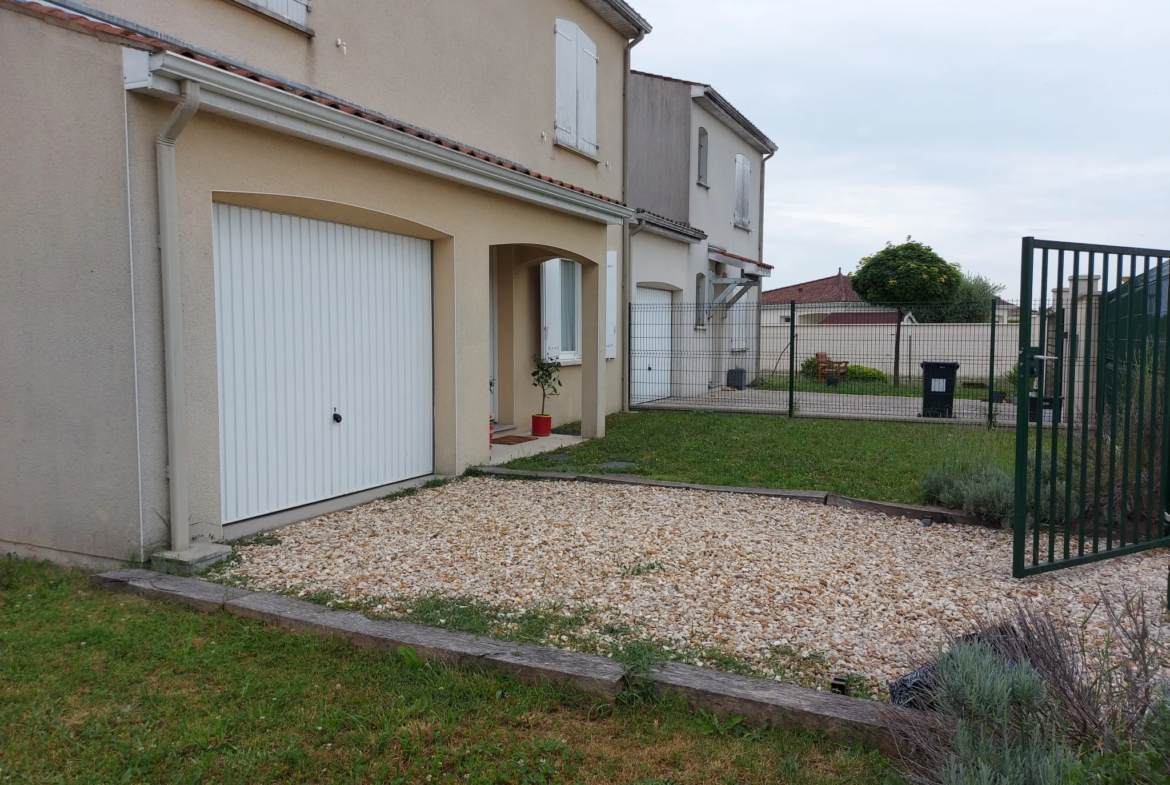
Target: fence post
{"points": [[791, 357], [991, 368], [898, 349]]}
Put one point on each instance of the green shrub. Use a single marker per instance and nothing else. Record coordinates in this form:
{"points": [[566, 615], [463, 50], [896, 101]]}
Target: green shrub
{"points": [[862, 373], [984, 490], [856, 373], [808, 368], [995, 725]]}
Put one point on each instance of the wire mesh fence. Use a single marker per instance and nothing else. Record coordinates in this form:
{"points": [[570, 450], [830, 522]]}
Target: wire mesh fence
{"points": [[846, 360]]}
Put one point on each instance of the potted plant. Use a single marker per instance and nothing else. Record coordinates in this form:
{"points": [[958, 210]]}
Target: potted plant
{"points": [[547, 377]]}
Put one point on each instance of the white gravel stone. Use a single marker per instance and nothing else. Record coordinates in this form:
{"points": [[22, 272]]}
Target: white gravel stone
{"points": [[873, 595]]}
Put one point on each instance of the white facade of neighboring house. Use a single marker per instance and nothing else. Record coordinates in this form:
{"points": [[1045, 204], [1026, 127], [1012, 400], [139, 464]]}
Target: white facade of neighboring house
{"points": [[696, 178]]}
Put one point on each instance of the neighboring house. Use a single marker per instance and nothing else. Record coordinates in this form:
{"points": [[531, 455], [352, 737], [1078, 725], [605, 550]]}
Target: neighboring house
{"points": [[262, 258], [819, 300], [696, 177]]}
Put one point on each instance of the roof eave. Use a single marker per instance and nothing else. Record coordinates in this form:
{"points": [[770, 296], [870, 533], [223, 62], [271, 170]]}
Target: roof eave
{"points": [[620, 16], [710, 99], [749, 267], [670, 229], [251, 102]]}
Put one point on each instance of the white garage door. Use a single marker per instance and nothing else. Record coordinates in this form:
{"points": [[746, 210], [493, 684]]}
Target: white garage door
{"points": [[324, 335], [650, 355]]}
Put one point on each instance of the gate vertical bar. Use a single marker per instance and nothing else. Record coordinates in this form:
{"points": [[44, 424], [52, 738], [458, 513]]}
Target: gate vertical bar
{"points": [[1092, 298], [1153, 511], [1057, 396], [1099, 409], [791, 358], [1069, 410], [1022, 373], [1123, 519], [1143, 336], [1113, 410], [1041, 374], [1164, 471], [991, 367]]}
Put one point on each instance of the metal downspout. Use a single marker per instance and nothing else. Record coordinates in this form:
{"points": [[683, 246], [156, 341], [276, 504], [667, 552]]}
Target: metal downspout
{"points": [[627, 234], [168, 232], [760, 290]]}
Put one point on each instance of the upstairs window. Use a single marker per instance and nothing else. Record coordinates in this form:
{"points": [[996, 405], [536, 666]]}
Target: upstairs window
{"points": [[702, 156], [295, 12], [743, 184], [576, 118]]}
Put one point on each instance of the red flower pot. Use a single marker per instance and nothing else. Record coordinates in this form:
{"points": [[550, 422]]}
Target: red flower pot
{"points": [[541, 424]]}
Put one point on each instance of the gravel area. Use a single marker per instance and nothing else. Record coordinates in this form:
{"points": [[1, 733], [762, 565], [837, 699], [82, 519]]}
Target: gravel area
{"points": [[871, 594]]}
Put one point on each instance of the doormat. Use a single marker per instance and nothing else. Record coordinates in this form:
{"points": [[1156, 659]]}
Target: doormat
{"points": [[513, 439]]}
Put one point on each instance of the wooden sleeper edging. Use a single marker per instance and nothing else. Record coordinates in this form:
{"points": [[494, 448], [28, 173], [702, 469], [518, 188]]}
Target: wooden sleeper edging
{"points": [[839, 717]]}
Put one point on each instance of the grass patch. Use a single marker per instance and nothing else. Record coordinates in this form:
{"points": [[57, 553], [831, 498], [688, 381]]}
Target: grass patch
{"points": [[104, 687], [583, 630], [884, 461]]}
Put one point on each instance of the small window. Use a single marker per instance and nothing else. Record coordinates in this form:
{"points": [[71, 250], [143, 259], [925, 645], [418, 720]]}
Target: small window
{"points": [[560, 310], [743, 185], [295, 12], [576, 80], [702, 156], [570, 310], [700, 300]]}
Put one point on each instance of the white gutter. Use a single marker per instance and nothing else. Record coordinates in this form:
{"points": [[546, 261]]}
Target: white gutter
{"points": [[168, 242], [248, 101], [627, 232]]}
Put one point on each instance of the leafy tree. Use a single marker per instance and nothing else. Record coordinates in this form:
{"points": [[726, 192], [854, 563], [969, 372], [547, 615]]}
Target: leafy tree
{"points": [[910, 273], [972, 301]]}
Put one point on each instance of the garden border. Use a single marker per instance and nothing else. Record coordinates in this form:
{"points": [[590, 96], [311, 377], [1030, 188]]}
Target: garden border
{"points": [[892, 509], [838, 717]]}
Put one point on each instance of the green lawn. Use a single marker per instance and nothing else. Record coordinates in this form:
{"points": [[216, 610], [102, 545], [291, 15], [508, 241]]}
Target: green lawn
{"points": [[101, 687], [884, 461]]}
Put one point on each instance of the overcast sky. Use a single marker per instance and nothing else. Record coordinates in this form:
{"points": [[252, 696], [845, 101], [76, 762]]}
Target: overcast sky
{"points": [[965, 124]]}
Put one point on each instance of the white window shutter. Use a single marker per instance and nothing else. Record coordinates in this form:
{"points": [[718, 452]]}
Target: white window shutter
{"points": [[566, 65], [743, 178], [550, 309], [586, 95], [611, 305]]}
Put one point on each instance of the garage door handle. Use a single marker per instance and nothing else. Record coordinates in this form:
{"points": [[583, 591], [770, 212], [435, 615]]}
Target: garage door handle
{"points": [[336, 416]]}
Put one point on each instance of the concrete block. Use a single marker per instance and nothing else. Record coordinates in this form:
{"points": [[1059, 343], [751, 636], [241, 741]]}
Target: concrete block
{"points": [[191, 592], [584, 672], [838, 717], [195, 559]]}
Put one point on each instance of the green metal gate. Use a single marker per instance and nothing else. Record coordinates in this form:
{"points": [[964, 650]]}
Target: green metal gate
{"points": [[1092, 404]]}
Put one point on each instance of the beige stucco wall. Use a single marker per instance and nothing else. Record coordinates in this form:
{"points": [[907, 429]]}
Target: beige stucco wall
{"points": [[713, 208], [216, 155], [482, 73], [83, 441], [68, 452]]}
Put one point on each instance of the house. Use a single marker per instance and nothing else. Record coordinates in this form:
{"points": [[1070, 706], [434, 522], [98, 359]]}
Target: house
{"points": [[263, 257], [829, 300], [696, 179]]}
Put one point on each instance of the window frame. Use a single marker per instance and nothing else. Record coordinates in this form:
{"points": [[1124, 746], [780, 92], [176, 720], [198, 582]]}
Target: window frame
{"points": [[742, 213], [704, 153], [576, 115]]}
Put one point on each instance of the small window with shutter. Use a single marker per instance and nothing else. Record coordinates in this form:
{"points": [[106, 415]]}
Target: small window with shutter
{"points": [[576, 79], [294, 12], [743, 184], [702, 156]]}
